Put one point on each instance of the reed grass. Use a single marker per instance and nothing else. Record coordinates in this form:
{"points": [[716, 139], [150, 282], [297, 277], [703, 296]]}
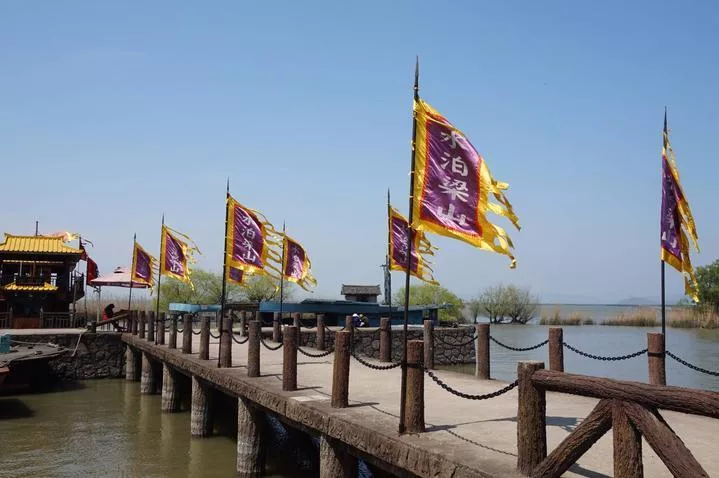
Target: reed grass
{"points": [[692, 318], [640, 317], [574, 318]]}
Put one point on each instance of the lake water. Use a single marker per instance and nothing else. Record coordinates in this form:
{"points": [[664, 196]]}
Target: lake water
{"points": [[697, 346], [106, 428]]}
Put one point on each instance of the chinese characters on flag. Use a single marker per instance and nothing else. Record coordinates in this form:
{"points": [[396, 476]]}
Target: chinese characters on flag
{"points": [[297, 266], [677, 221], [453, 186], [420, 247], [175, 255], [142, 266]]}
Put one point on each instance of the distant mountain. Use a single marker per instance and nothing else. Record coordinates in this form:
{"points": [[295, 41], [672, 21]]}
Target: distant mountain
{"points": [[637, 301]]}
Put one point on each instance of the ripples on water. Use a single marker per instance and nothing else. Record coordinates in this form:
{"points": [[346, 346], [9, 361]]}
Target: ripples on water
{"points": [[106, 428], [699, 347]]}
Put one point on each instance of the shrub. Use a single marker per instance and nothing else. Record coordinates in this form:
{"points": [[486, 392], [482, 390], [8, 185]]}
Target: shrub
{"points": [[640, 317]]}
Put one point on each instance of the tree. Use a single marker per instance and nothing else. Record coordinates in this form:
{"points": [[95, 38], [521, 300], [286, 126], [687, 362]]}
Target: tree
{"points": [[521, 305], [433, 294], [708, 280], [208, 289], [493, 303]]}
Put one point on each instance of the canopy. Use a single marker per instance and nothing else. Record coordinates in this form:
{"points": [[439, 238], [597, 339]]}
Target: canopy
{"points": [[119, 278]]}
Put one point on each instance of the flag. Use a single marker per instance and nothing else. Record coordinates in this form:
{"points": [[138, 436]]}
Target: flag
{"points": [[143, 265], [297, 266], [66, 236], [420, 248], [176, 255], [677, 223], [452, 186], [235, 275], [252, 243], [92, 272]]}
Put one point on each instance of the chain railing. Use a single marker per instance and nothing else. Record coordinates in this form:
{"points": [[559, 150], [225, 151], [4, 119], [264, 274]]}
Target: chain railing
{"points": [[606, 358], [318, 355], [468, 396], [439, 338], [270, 347], [692, 366], [519, 349], [373, 366], [239, 341]]}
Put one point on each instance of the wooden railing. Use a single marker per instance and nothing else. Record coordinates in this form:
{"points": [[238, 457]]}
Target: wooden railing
{"points": [[5, 320], [630, 409], [62, 320]]}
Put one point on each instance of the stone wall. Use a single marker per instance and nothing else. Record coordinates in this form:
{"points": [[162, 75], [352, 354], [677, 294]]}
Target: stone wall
{"points": [[451, 345], [100, 355]]}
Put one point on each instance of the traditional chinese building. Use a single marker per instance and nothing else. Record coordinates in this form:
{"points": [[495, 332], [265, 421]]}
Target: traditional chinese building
{"points": [[361, 293], [38, 281]]}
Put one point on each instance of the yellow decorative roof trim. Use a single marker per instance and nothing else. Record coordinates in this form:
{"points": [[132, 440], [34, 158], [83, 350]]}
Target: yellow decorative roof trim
{"points": [[36, 244], [47, 287]]}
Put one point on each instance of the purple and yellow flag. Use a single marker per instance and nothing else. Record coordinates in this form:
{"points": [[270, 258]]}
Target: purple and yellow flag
{"points": [[677, 221], [235, 275], [176, 255], [297, 267], [252, 243], [143, 265], [452, 186], [420, 248]]}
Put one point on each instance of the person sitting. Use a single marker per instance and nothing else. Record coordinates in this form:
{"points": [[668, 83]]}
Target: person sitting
{"points": [[108, 312]]}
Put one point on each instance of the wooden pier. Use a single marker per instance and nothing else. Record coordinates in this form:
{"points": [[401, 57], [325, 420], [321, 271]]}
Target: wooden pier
{"points": [[523, 432]]}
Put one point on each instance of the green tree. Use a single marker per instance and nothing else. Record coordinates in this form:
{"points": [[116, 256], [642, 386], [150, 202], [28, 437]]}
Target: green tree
{"points": [[426, 294], [708, 280], [208, 289], [492, 302], [521, 305], [502, 302]]}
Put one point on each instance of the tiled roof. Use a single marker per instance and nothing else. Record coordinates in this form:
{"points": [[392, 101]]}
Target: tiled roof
{"points": [[31, 288], [360, 290], [36, 244]]}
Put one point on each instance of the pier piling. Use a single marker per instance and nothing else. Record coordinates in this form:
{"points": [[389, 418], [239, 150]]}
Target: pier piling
{"points": [[414, 403], [202, 409], [250, 455], [226, 343], [161, 328], [172, 340], [253, 348], [151, 326], [320, 341], [170, 390], [335, 462], [341, 370], [148, 378], [205, 339], [385, 340], [556, 349], [187, 334], [133, 364]]}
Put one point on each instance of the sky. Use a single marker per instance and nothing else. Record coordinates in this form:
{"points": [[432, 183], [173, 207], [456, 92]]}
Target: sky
{"points": [[113, 113]]}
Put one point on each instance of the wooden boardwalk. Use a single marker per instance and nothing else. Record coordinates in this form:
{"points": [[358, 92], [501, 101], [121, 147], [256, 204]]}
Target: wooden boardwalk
{"points": [[463, 438]]}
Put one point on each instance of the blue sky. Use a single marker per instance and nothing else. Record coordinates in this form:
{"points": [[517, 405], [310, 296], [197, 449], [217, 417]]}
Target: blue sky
{"points": [[112, 113]]}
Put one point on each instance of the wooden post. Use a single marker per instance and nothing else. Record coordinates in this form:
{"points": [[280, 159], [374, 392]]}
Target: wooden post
{"points": [[148, 380], [133, 364], [341, 370], [556, 349], [335, 461], [414, 402], [226, 343], [296, 320], [531, 419], [482, 367], [253, 348], [161, 328], [276, 329], [151, 326], [655, 346], [320, 340], [428, 344], [350, 327], [134, 318], [250, 450], [243, 323], [205, 339], [385, 340], [170, 390], [289, 362], [627, 444], [187, 334], [201, 410], [172, 340], [141, 325]]}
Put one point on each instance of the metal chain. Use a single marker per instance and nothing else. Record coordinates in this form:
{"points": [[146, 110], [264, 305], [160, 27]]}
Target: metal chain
{"points": [[196, 333], [239, 341], [691, 366], [373, 366], [179, 331], [605, 358], [468, 396], [214, 336], [462, 344], [269, 347], [308, 354], [519, 349]]}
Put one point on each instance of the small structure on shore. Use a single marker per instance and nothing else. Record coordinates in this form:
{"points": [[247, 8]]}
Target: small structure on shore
{"points": [[361, 293], [38, 281]]}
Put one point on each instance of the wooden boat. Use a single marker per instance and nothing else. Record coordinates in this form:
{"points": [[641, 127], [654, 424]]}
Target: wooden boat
{"points": [[26, 367]]}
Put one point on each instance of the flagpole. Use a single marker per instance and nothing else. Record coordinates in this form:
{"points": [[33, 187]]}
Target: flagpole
{"points": [[388, 260], [282, 272], [403, 392], [224, 270], [159, 273], [132, 271], [664, 314]]}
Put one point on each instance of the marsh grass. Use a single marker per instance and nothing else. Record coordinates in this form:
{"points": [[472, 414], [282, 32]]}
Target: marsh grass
{"points": [[692, 318], [640, 317], [574, 318]]}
